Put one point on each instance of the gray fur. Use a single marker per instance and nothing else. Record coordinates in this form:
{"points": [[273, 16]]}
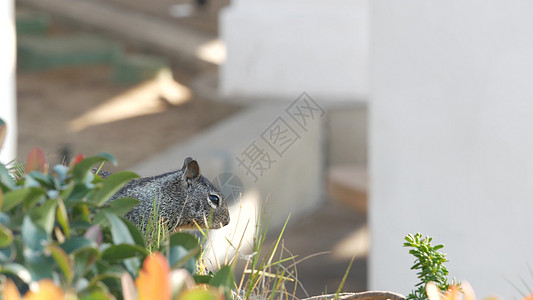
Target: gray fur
{"points": [[182, 198]]}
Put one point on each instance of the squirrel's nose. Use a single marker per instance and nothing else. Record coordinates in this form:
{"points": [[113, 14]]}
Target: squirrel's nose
{"points": [[225, 221]]}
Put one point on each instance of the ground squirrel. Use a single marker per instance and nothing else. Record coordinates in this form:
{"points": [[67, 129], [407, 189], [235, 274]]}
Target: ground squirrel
{"points": [[183, 197]]}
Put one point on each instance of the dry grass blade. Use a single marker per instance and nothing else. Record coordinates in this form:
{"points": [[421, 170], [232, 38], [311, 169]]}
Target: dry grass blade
{"points": [[344, 279], [268, 274]]}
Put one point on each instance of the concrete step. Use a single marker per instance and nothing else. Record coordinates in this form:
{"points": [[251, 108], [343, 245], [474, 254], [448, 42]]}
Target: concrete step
{"points": [[136, 68], [178, 42], [39, 52], [348, 184], [31, 22]]}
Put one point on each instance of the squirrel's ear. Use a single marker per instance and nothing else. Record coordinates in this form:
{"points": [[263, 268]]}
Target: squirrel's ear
{"points": [[191, 168], [186, 162]]}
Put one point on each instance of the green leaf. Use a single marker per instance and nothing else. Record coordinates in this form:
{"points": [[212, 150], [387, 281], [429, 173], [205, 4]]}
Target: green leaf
{"points": [[82, 168], [33, 235], [183, 251], [35, 195], [73, 244], [135, 233], [14, 198], [202, 279], [198, 294], [95, 295], [43, 179], [84, 259], [62, 260], [119, 230], [122, 251], [17, 270], [6, 180], [6, 236], [39, 265], [61, 172], [109, 272], [111, 185], [66, 191], [44, 215], [80, 213], [4, 219], [185, 240], [224, 278], [62, 217], [121, 235], [78, 193], [7, 254], [179, 257], [119, 207]]}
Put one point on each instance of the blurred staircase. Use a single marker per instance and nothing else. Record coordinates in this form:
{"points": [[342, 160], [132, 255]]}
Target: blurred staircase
{"points": [[179, 43], [348, 184], [39, 48]]}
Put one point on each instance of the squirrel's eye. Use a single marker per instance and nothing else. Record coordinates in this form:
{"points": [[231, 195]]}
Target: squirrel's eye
{"points": [[214, 200]]}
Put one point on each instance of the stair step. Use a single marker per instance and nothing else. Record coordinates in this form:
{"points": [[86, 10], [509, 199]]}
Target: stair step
{"points": [[40, 52], [136, 68], [349, 185], [32, 22]]}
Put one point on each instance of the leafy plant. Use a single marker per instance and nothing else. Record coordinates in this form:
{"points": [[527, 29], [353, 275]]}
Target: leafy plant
{"points": [[56, 231], [429, 262], [48, 232]]}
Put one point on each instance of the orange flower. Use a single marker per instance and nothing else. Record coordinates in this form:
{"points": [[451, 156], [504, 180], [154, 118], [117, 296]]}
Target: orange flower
{"points": [[528, 297], [153, 280], [46, 289], [9, 291], [454, 292]]}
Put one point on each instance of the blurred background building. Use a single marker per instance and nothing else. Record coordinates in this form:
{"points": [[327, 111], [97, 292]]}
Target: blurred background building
{"points": [[283, 95]]}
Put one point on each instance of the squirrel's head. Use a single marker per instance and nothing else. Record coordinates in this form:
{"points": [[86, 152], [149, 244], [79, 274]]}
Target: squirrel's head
{"points": [[203, 200]]}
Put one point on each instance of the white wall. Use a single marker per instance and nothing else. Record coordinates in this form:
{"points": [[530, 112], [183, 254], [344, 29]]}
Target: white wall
{"points": [[279, 49], [7, 79], [451, 150]]}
